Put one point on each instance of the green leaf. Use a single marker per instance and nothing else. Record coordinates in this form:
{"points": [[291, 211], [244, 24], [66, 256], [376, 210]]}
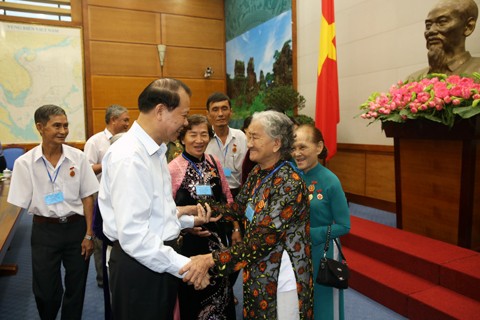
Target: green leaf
{"points": [[432, 118], [466, 112], [393, 117]]}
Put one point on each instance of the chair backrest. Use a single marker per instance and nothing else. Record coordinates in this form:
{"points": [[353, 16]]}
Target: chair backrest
{"points": [[11, 154]]}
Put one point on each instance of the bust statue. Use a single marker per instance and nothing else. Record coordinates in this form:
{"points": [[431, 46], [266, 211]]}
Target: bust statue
{"points": [[447, 26]]}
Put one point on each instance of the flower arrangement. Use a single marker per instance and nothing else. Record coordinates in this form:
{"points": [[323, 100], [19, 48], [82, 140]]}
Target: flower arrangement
{"points": [[436, 97]]}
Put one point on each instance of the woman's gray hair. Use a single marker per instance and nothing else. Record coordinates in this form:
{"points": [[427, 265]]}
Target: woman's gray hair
{"points": [[277, 126]]}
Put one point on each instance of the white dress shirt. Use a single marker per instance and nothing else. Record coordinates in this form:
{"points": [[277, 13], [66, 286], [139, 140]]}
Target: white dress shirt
{"points": [[231, 154], [136, 201], [31, 182], [96, 147]]}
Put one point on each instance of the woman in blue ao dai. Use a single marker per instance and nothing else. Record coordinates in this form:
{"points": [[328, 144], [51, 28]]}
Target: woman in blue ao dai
{"points": [[328, 207]]}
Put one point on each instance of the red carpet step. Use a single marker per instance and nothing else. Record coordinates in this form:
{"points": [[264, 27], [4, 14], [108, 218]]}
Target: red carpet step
{"points": [[418, 277]]}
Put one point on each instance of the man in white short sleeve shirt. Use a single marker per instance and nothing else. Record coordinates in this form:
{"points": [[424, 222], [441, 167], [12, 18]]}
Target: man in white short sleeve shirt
{"points": [[55, 183]]}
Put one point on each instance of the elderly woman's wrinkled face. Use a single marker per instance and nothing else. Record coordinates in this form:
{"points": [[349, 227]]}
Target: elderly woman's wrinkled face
{"points": [[305, 151], [263, 149], [196, 140]]}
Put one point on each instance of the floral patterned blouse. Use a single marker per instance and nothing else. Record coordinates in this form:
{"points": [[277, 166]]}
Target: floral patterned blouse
{"points": [[280, 222]]}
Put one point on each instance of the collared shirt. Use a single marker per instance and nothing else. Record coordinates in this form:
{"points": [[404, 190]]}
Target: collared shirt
{"points": [[96, 147], [231, 154], [33, 176], [136, 201]]}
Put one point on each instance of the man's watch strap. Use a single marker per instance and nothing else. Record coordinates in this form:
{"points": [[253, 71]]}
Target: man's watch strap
{"points": [[88, 237]]}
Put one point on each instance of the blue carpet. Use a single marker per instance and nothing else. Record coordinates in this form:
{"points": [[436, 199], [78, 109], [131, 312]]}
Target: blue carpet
{"points": [[17, 301]]}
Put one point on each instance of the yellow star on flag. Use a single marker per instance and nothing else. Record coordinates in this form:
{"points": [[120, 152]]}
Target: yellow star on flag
{"points": [[327, 47]]}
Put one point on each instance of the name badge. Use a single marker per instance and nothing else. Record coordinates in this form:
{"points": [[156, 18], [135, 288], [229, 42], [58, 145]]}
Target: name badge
{"points": [[203, 190], [227, 171], [54, 197], [249, 212]]}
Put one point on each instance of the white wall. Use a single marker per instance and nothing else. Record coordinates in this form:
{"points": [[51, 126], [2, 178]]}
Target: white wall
{"points": [[378, 43]]}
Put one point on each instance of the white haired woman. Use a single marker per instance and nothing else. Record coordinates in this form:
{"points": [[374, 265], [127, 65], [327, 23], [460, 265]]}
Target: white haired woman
{"points": [[275, 252]]}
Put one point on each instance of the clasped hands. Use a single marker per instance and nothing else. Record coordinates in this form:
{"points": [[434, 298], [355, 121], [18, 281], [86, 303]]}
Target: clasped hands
{"points": [[202, 216], [196, 271]]}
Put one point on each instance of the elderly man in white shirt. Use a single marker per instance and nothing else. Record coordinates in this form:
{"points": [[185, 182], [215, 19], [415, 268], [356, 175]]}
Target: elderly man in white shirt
{"points": [[138, 210], [55, 183], [117, 121]]}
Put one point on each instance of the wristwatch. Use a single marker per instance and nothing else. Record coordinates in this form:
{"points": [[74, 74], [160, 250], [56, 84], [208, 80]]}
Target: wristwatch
{"points": [[88, 237]]}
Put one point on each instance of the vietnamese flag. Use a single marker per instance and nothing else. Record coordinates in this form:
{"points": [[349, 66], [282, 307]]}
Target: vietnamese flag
{"points": [[327, 113]]}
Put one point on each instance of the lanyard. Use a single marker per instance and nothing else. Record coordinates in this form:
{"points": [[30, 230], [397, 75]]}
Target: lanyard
{"points": [[49, 176], [225, 153], [194, 166], [265, 179]]}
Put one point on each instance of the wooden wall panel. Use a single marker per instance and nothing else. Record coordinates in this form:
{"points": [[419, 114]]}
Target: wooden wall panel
{"points": [[123, 25], [124, 59], [367, 174], [121, 90], [121, 40], [98, 121], [192, 32], [201, 89], [380, 175], [191, 63], [350, 169], [196, 8]]}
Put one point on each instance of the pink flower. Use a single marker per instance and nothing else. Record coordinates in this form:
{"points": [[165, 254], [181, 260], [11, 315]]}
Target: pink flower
{"points": [[430, 97]]}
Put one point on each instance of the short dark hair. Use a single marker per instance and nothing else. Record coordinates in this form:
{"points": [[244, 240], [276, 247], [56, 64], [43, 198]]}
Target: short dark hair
{"points": [[43, 114], [114, 111], [162, 91], [246, 123], [217, 97], [195, 120]]}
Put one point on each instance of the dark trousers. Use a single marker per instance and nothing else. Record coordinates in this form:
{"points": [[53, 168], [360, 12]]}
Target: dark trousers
{"points": [[137, 291], [53, 245], [3, 163]]}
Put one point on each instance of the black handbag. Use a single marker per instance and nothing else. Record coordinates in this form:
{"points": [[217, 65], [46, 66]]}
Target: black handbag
{"points": [[331, 272]]}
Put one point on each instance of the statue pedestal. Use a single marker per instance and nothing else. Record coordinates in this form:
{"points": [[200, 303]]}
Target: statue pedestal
{"points": [[437, 179]]}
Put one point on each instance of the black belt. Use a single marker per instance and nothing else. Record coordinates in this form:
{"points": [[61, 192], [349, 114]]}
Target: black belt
{"points": [[171, 243], [72, 218]]}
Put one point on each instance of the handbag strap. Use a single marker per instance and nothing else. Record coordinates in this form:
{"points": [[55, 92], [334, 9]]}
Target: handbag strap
{"points": [[327, 244]]}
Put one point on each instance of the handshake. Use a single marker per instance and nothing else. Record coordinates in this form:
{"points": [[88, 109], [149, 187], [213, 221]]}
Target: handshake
{"points": [[196, 271]]}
